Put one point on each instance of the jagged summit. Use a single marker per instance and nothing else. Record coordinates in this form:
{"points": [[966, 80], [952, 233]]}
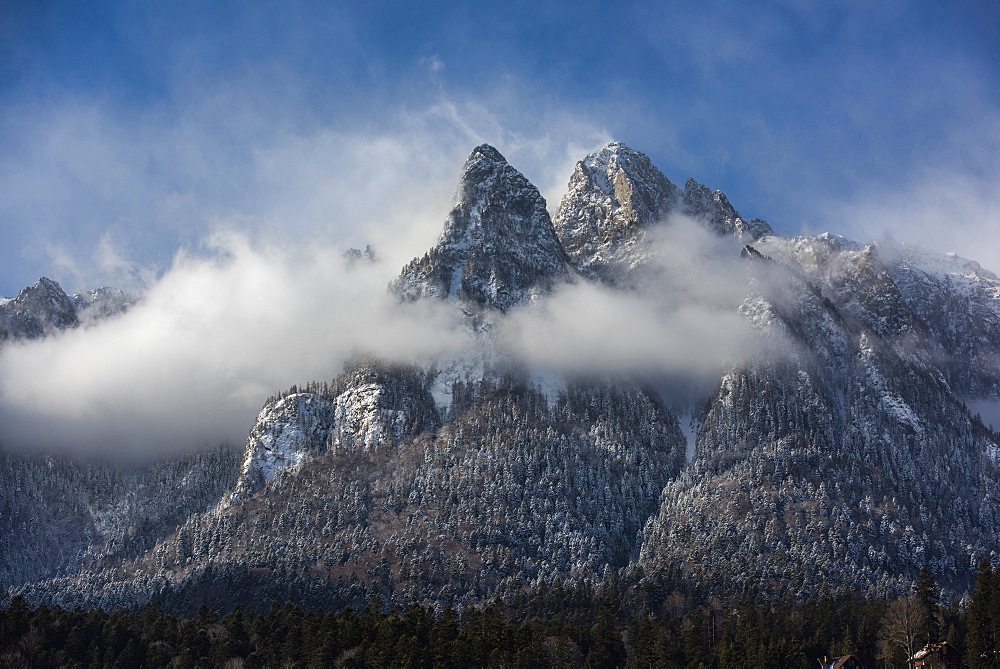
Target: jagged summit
{"points": [[45, 308], [485, 152], [614, 195], [715, 211], [498, 246], [37, 311]]}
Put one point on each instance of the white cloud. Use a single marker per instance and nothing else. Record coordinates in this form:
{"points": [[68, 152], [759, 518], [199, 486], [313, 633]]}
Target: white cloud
{"points": [[255, 297], [943, 210], [682, 322], [217, 334]]}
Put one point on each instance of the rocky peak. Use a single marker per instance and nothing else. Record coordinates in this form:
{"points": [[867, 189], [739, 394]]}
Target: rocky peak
{"points": [[101, 303], [371, 406], [37, 311], [498, 246], [288, 431], [714, 210], [614, 195]]}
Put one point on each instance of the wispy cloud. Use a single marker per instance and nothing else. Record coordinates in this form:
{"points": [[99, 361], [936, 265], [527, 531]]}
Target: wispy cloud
{"points": [[217, 334], [254, 295], [681, 323]]}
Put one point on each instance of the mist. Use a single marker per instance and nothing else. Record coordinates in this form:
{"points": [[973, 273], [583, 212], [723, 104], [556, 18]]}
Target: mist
{"points": [[238, 320], [676, 328], [194, 360]]}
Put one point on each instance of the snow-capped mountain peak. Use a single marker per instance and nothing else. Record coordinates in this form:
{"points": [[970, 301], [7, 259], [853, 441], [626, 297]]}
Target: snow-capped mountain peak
{"points": [[815, 467], [614, 196], [498, 247], [37, 311]]}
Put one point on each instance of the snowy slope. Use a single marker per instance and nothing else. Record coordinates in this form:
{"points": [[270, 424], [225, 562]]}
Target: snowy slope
{"points": [[837, 455]]}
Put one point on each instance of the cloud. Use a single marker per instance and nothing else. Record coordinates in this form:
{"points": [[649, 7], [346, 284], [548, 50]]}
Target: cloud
{"points": [[681, 323], [238, 319], [108, 265], [942, 207], [81, 175], [229, 212], [217, 334]]}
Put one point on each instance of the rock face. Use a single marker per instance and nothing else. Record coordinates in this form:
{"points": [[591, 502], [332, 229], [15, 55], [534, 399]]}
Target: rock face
{"points": [[45, 308], [370, 407], [713, 209], [37, 311], [498, 247], [614, 197], [287, 432], [842, 453], [100, 303]]}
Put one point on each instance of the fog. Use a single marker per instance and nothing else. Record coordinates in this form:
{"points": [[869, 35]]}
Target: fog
{"points": [[238, 320], [681, 319], [193, 362]]}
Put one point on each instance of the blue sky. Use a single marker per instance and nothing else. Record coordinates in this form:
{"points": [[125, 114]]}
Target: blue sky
{"points": [[132, 131]]}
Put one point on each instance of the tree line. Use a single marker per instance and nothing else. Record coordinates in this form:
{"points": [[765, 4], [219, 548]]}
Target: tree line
{"points": [[579, 626]]}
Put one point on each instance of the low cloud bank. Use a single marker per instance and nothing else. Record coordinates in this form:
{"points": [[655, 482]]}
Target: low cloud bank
{"points": [[222, 330], [194, 360], [682, 319]]}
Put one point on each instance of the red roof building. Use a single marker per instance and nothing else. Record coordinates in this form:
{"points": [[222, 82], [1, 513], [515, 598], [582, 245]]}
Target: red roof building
{"points": [[938, 656]]}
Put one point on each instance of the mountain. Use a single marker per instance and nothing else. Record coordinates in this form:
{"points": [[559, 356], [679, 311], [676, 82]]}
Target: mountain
{"points": [[100, 303], [617, 196], [850, 460], [64, 516], [36, 311], [841, 451], [498, 247], [45, 308]]}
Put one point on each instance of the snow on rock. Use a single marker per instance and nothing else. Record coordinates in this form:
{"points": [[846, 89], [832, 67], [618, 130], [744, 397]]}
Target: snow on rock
{"points": [[374, 406], [614, 196], [101, 303], [364, 422], [37, 311], [460, 368], [44, 309], [287, 431], [498, 248]]}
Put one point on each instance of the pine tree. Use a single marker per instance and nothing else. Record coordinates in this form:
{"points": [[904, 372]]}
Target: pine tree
{"points": [[983, 639], [927, 596]]}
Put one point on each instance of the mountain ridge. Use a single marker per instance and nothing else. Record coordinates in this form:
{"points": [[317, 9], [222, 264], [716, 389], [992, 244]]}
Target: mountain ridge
{"points": [[817, 467]]}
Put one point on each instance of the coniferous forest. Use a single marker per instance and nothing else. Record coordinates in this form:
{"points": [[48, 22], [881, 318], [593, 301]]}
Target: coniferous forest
{"points": [[554, 626]]}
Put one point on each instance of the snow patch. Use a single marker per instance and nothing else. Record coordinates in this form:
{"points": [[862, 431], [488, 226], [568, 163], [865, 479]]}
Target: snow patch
{"points": [[689, 426], [286, 433], [550, 383]]}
